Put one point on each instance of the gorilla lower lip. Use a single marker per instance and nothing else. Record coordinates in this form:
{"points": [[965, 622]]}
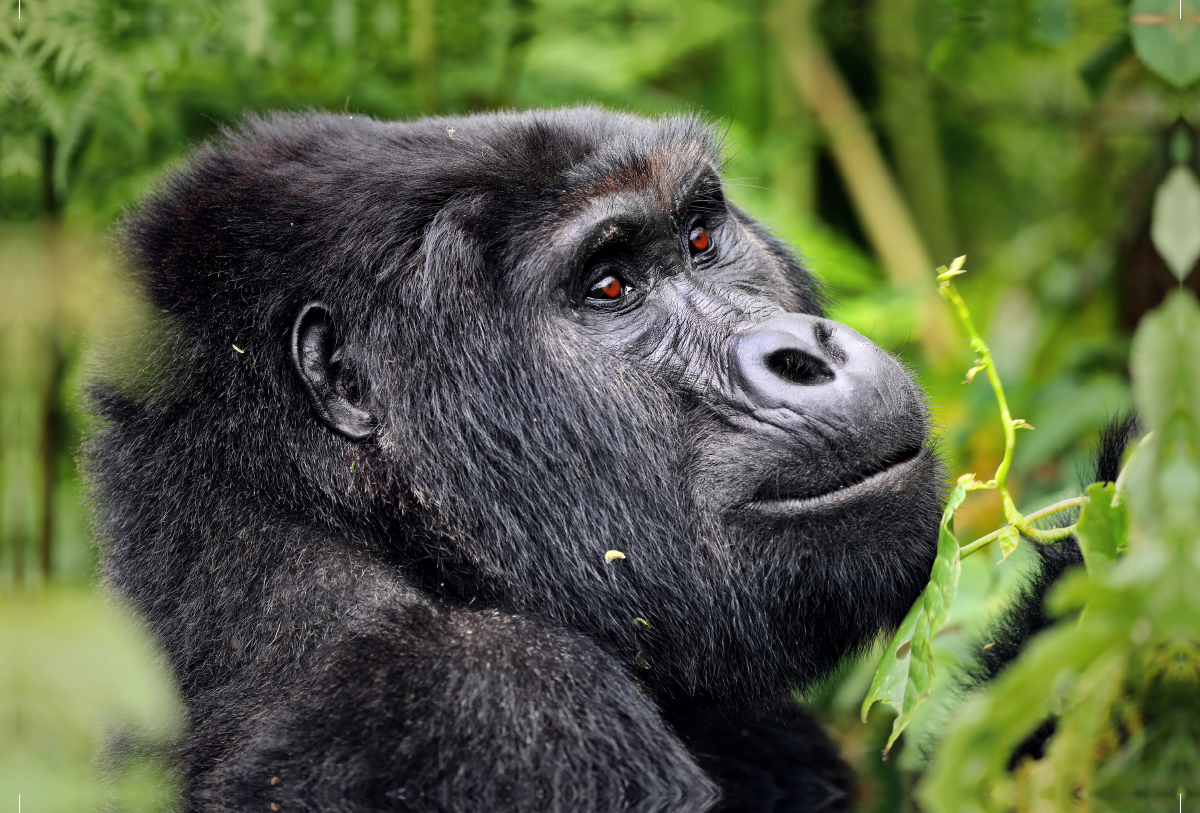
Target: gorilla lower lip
{"points": [[892, 479]]}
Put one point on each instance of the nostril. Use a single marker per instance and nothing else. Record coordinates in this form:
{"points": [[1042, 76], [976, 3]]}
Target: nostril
{"points": [[823, 333], [799, 367]]}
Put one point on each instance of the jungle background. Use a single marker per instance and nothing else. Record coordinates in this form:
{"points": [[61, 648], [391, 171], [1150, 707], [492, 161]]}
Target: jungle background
{"points": [[880, 137]]}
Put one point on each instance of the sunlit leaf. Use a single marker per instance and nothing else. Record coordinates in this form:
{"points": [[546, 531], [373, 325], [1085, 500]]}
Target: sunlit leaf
{"points": [[1164, 485], [892, 673], [956, 268], [971, 771], [1175, 228]]}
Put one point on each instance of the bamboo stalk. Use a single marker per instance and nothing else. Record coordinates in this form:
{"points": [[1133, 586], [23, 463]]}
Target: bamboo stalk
{"points": [[422, 43], [910, 121], [885, 216]]}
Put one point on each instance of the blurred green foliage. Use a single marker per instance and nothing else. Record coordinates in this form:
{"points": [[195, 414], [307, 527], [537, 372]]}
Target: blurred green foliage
{"points": [[75, 669], [1031, 134], [1121, 674]]}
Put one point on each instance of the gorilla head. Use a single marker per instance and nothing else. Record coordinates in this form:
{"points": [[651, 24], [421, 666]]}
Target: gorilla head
{"points": [[484, 352]]}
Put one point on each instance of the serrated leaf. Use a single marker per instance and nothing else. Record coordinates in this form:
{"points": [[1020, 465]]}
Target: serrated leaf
{"points": [[1102, 529], [1166, 37], [1009, 539], [1175, 227], [891, 676], [943, 581], [905, 672]]}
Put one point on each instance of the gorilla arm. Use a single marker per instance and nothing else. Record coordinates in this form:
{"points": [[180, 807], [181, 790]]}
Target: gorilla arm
{"points": [[422, 707]]}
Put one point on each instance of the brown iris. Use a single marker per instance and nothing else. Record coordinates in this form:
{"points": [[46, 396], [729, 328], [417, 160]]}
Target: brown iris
{"points": [[607, 288], [699, 238]]}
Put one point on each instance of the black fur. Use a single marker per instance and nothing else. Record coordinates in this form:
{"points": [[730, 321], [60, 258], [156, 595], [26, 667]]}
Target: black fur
{"points": [[424, 618]]}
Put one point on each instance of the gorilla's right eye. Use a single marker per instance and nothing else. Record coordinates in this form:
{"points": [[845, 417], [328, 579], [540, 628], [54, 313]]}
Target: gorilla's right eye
{"points": [[608, 289]]}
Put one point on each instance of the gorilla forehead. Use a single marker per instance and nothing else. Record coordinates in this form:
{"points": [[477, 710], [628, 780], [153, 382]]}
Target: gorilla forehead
{"points": [[548, 160], [340, 204], [560, 174], [584, 153]]}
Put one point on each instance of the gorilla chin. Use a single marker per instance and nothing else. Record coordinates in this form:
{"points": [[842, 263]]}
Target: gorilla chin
{"points": [[481, 354], [842, 566]]}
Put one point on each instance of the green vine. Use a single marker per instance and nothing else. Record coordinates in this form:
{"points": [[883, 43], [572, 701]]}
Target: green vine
{"points": [[905, 673], [1018, 523]]}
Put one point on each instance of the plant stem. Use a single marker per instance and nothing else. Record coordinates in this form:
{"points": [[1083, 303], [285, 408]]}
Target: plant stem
{"points": [[1049, 510], [984, 356]]}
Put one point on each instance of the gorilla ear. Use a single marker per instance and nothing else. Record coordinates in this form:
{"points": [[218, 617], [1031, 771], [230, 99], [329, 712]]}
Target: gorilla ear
{"points": [[327, 373]]}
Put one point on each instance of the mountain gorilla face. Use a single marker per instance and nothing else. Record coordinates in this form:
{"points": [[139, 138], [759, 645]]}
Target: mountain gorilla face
{"points": [[499, 463], [480, 354], [589, 349]]}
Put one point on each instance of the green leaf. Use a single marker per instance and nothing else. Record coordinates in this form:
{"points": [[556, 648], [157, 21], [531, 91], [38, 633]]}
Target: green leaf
{"points": [[943, 581], [1164, 483], [1103, 527], [970, 772], [1175, 227], [1166, 36], [1166, 362], [1051, 22], [1106, 671], [891, 675], [956, 268], [1009, 538], [905, 672]]}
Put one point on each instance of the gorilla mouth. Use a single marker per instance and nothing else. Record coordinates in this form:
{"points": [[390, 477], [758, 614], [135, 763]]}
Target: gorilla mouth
{"points": [[894, 476]]}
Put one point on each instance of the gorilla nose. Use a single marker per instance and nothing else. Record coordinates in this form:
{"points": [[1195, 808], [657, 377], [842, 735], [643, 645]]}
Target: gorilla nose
{"points": [[811, 366]]}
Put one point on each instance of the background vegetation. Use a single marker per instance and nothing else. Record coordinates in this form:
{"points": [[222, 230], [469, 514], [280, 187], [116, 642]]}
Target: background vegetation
{"points": [[882, 137]]}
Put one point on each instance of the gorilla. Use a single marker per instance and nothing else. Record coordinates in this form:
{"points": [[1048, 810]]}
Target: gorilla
{"points": [[499, 463]]}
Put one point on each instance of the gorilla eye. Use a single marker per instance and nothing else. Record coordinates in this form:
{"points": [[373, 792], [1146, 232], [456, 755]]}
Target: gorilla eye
{"points": [[699, 239], [608, 289]]}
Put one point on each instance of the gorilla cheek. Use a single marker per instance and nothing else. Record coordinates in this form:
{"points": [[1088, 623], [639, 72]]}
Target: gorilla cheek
{"points": [[872, 558]]}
